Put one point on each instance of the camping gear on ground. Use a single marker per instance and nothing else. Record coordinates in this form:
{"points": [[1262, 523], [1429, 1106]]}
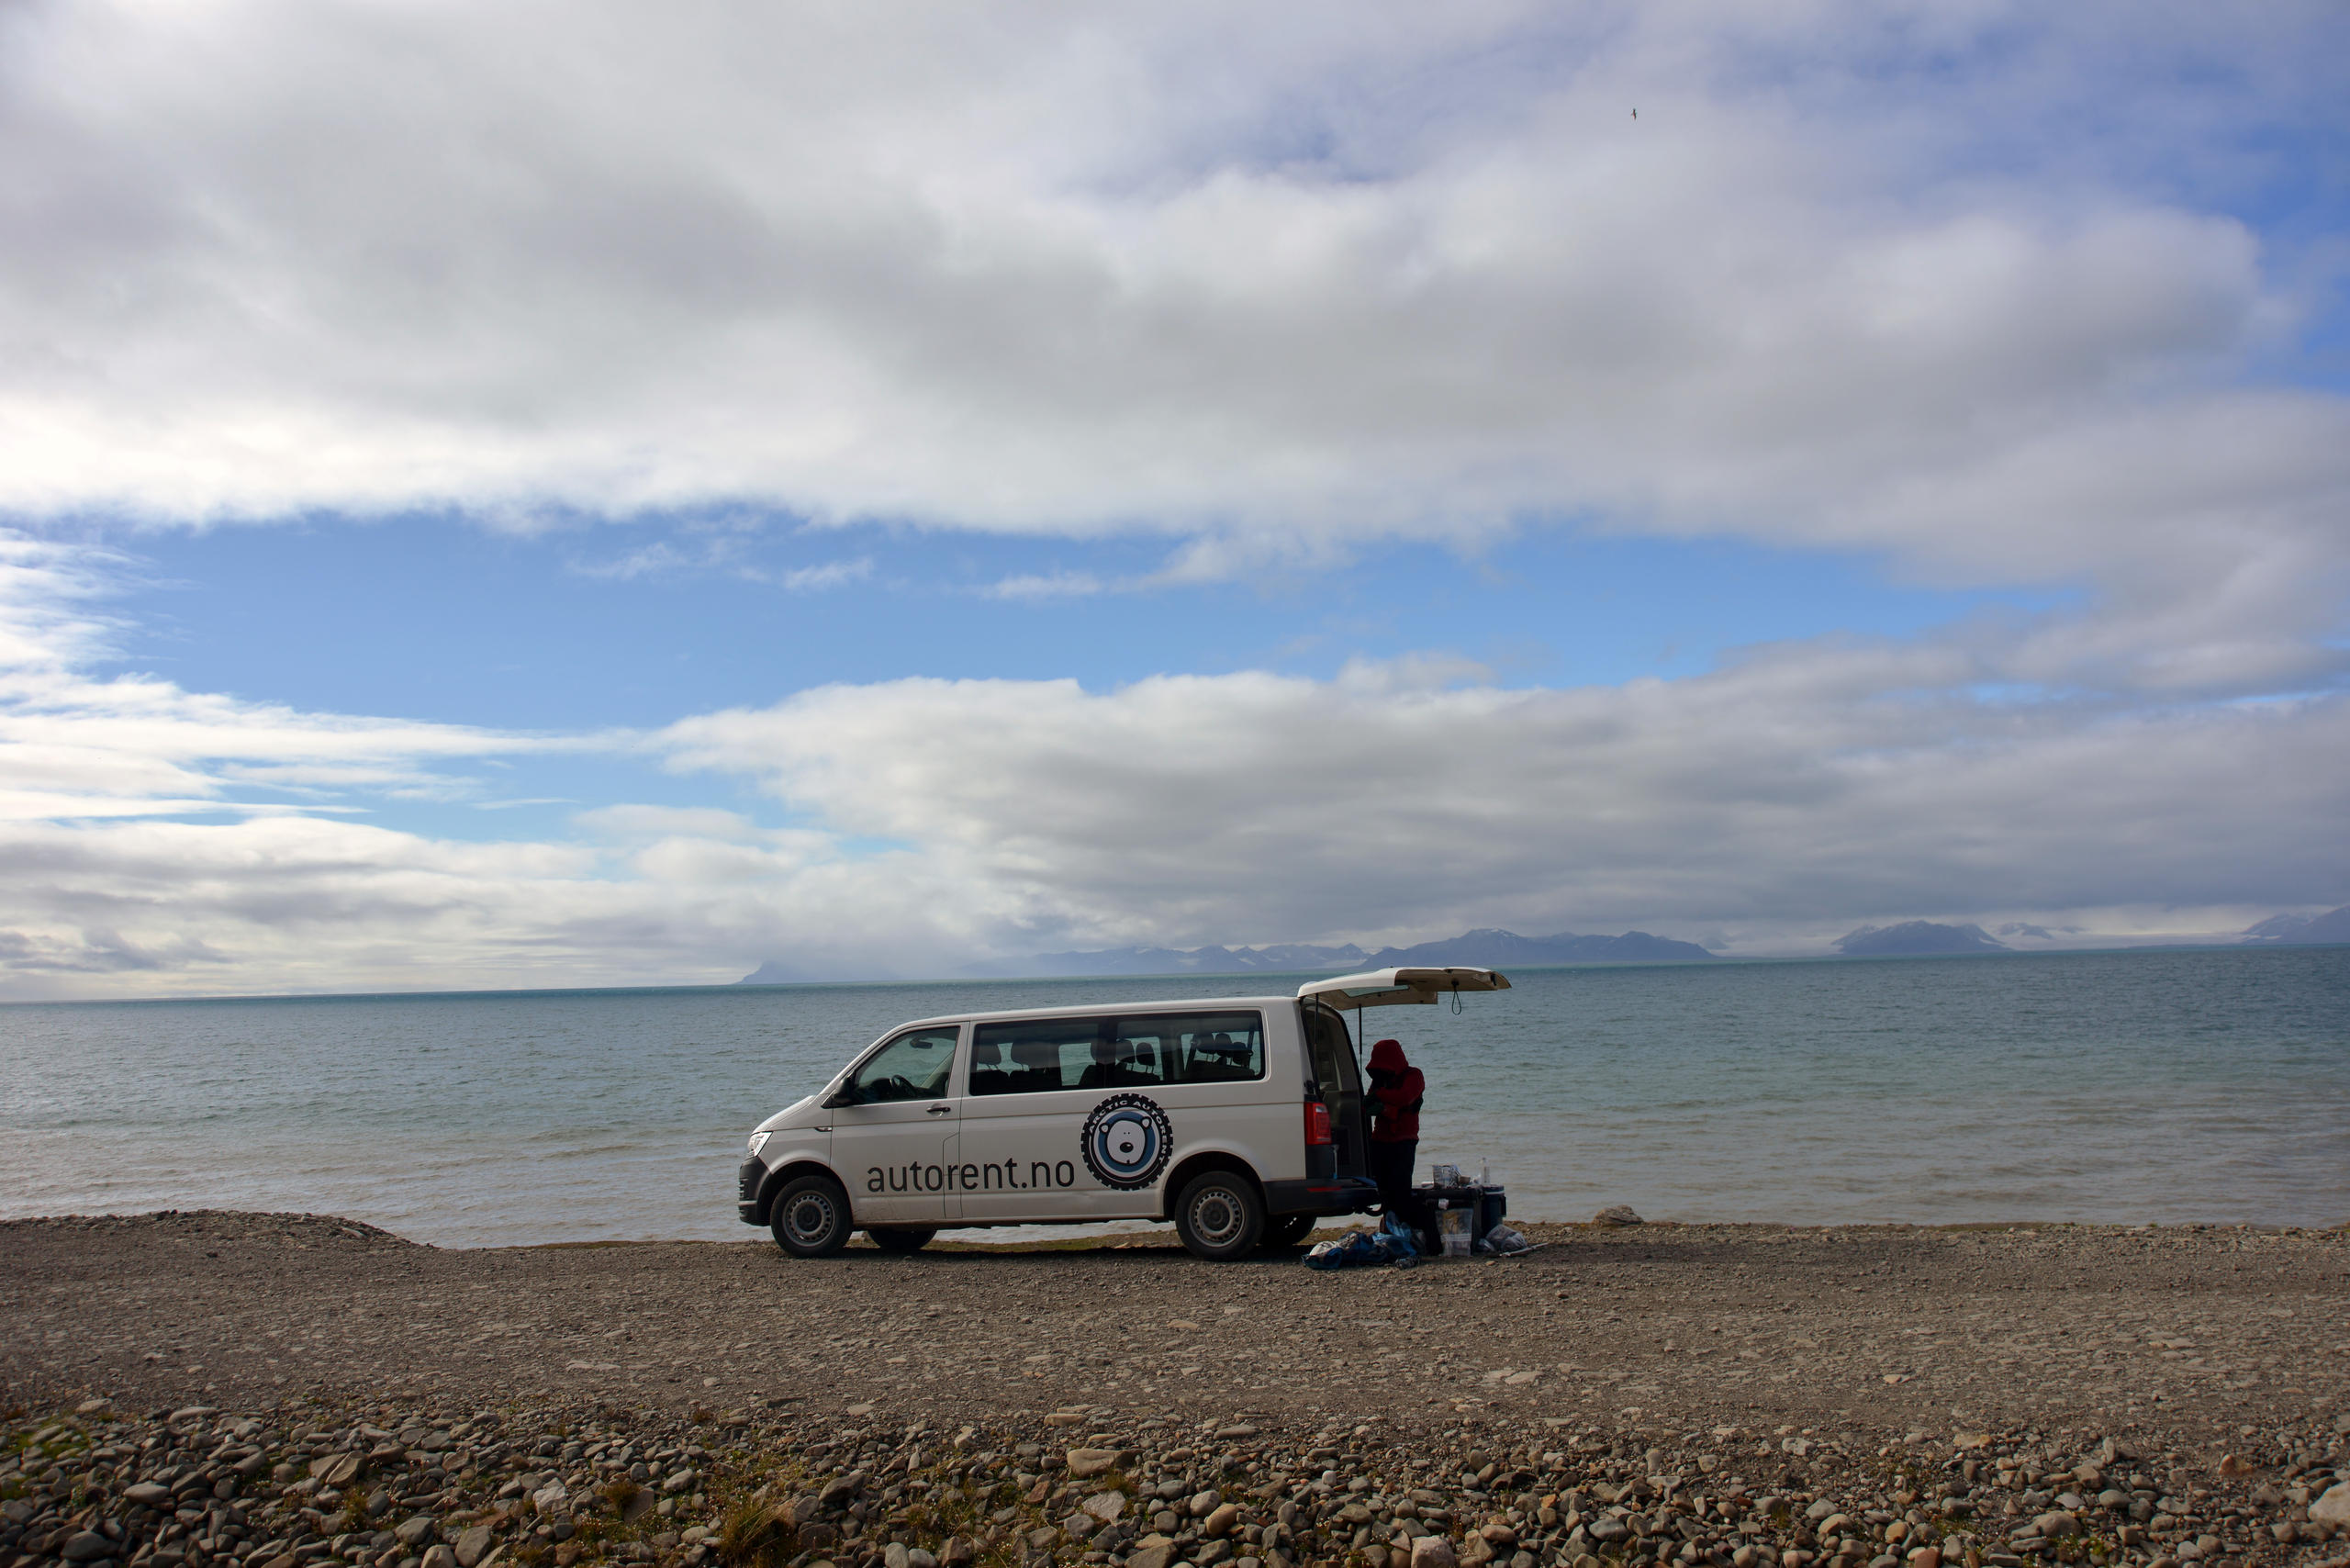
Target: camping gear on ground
{"points": [[1452, 1227], [1361, 1249]]}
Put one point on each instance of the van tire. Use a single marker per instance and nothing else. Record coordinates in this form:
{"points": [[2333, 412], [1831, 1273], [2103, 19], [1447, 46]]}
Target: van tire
{"points": [[1220, 1216], [1286, 1230], [808, 1217], [900, 1239]]}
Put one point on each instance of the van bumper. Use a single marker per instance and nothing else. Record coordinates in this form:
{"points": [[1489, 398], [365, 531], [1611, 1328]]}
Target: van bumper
{"points": [[746, 1183], [1320, 1195]]}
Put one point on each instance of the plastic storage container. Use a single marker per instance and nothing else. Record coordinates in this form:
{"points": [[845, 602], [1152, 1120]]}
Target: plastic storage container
{"points": [[1480, 1208]]}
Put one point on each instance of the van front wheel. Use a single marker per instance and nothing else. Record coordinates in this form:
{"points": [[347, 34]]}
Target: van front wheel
{"points": [[1220, 1216], [809, 1217], [896, 1239]]}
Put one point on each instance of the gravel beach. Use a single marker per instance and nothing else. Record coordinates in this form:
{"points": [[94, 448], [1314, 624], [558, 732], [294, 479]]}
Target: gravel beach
{"points": [[214, 1390]]}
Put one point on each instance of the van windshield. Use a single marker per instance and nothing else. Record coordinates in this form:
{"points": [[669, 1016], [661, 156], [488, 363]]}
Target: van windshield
{"points": [[911, 1067]]}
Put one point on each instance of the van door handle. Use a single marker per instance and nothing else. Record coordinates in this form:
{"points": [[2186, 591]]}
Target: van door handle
{"points": [[941, 1110]]}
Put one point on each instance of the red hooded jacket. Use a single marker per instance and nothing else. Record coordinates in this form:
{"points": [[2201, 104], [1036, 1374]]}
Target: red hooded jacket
{"points": [[1396, 1087]]}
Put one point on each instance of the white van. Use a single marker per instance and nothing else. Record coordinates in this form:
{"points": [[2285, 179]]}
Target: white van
{"points": [[1240, 1118]]}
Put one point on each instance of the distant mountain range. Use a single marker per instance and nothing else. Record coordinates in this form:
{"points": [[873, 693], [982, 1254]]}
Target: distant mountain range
{"points": [[1914, 937], [2300, 930], [1486, 949], [1491, 948]]}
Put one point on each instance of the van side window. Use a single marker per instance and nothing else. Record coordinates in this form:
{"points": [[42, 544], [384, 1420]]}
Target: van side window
{"points": [[1047, 1054], [1039, 1056], [912, 1067], [1196, 1047]]}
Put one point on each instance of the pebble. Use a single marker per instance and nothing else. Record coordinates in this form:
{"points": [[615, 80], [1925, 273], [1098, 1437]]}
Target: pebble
{"points": [[551, 1488]]}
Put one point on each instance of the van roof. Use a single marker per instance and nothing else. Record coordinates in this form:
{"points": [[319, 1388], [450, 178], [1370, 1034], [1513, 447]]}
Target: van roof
{"points": [[1090, 1009], [1375, 987]]}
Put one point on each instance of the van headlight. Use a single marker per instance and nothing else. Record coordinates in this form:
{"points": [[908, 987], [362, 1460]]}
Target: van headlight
{"points": [[759, 1142]]}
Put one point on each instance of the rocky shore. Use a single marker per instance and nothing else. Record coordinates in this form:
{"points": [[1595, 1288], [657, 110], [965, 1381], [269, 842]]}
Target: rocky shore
{"points": [[1288, 1439], [385, 1487]]}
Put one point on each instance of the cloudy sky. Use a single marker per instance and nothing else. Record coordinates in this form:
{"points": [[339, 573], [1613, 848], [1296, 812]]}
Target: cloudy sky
{"points": [[580, 494]]}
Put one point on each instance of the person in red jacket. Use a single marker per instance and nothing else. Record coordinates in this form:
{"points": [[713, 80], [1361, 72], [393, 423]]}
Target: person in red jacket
{"points": [[1396, 1088]]}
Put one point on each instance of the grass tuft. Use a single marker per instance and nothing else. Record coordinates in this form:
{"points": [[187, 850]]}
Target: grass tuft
{"points": [[620, 1493], [756, 1535]]}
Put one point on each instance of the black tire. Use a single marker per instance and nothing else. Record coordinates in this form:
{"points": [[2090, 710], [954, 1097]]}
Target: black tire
{"points": [[809, 1217], [1286, 1230], [900, 1239], [1220, 1216]]}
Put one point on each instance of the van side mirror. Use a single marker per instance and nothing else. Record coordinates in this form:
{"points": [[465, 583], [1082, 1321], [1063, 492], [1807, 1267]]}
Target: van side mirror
{"points": [[845, 1095]]}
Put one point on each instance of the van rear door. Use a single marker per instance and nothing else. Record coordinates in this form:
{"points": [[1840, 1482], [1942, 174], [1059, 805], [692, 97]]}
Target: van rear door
{"points": [[1330, 1057]]}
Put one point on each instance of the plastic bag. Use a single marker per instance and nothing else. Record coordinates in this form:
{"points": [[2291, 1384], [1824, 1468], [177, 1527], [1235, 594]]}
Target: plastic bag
{"points": [[1452, 1226], [1399, 1231], [1502, 1238], [1361, 1249], [1352, 1250]]}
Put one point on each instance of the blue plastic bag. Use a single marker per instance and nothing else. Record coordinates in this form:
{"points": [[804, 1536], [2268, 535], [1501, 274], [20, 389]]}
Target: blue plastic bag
{"points": [[1363, 1249]]}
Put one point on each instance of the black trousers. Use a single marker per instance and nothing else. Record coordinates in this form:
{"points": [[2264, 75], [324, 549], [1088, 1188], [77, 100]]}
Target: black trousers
{"points": [[1390, 1167]]}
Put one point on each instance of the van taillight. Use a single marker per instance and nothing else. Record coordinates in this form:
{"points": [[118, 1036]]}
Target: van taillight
{"points": [[1317, 1122]]}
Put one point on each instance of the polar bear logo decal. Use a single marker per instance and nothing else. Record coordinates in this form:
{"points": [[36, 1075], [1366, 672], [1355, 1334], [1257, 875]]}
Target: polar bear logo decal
{"points": [[1127, 1141]]}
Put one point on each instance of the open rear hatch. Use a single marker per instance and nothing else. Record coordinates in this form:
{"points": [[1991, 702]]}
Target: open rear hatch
{"points": [[1345, 1162], [1386, 988]]}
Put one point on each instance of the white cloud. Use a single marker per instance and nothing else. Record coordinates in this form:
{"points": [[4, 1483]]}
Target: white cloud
{"points": [[154, 840], [1893, 280], [159, 841], [830, 575], [1032, 586], [1796, 793], [1855, 276]]}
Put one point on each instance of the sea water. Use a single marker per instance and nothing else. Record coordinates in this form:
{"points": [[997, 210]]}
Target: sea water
{"points": [[2159, 1086]]}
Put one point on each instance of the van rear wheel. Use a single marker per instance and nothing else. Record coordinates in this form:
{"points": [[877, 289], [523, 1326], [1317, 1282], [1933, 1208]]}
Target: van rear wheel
{"points": [[809, 1217], [1286, 1230], [900, 1239], [1220, 1216]]}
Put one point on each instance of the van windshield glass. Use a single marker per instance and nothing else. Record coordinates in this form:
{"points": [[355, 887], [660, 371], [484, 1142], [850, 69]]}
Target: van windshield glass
{"points": [[911, 1067], [1047, 1054]]}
